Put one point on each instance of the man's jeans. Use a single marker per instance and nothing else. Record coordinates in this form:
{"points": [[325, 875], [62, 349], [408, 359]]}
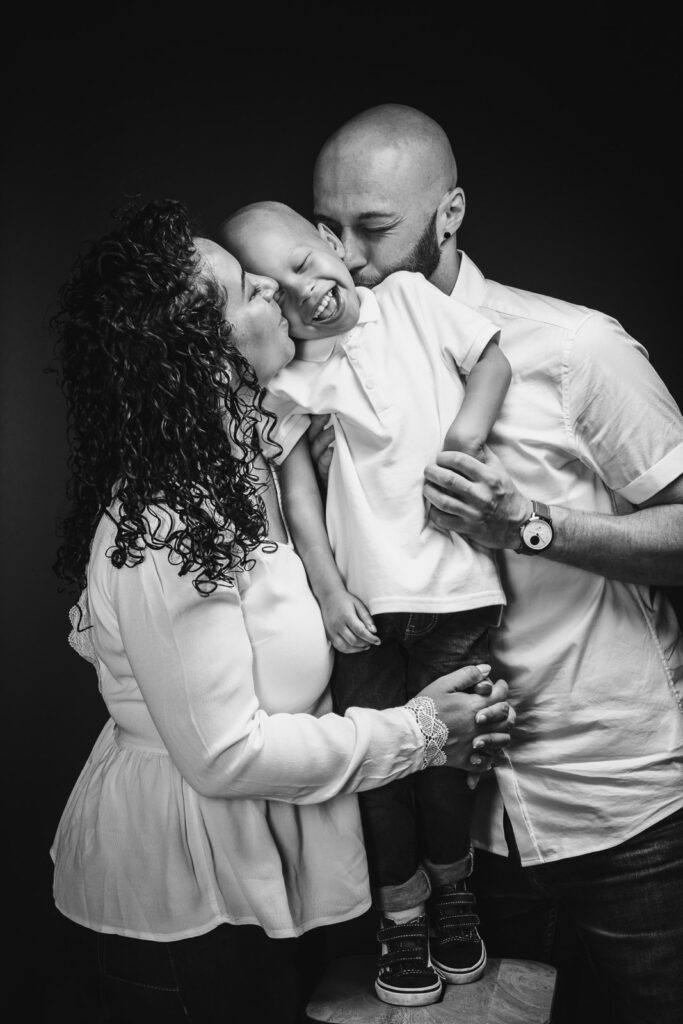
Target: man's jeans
{"points": [[426, 817], [625, 905]]}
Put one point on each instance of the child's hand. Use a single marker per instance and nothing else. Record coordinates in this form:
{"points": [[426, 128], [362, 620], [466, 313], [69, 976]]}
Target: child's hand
{"points": [[348, 623]]}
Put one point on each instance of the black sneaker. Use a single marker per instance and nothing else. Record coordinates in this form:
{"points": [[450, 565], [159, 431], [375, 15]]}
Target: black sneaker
{"points": [[458, 953], [405, 976]]}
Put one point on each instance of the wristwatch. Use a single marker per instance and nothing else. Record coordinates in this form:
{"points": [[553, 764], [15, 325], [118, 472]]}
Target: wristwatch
{"points": [[536, 532]]}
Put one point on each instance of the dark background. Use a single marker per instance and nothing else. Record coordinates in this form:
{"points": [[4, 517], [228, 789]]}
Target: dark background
{"points": [[566, 127]]}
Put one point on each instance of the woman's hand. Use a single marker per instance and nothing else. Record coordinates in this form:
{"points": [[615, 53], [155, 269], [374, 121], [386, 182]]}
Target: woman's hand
{"points": [[478, 716]]}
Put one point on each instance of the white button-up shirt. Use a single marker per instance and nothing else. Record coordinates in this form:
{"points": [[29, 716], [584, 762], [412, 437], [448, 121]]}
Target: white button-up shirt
{"points": [[392, 385], [595, 666]]}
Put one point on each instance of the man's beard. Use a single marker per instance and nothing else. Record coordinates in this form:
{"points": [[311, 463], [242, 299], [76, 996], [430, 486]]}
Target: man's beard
{"points": [[423, 257]]}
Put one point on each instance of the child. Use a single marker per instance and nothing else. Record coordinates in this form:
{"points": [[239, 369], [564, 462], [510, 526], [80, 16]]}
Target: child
{"points": [[387, 366]]}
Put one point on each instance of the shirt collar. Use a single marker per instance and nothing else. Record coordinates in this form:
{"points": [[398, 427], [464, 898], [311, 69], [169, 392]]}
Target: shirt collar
{"points": [[470, 286], [319, 350]]}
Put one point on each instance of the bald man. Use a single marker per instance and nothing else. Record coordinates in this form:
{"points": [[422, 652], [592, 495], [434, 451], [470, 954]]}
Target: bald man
{"points": [[582, 496]]}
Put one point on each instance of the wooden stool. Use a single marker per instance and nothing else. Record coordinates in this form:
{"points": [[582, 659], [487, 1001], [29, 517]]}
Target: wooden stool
{"points": [[510, 992]]}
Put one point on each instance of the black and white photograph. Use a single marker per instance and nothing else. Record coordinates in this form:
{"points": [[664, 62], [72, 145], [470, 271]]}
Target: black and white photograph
{"points": [[342, 503]]}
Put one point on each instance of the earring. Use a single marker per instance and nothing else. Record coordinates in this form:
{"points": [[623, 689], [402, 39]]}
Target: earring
{"points": [[446, 235]]}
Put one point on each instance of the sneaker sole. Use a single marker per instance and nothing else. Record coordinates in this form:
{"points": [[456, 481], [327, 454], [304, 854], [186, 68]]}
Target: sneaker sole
{"points": [[399, 997], [453, 976]]}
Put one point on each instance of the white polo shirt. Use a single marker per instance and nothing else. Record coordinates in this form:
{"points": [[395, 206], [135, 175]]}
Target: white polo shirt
{"points": [[595, 666], [392, 387]]}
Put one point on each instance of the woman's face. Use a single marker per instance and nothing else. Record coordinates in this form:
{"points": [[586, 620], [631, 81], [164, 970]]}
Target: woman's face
{"points": [[259, 330]]}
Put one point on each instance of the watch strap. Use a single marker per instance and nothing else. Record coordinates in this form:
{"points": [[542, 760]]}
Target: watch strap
{"points": [[539, 508]]}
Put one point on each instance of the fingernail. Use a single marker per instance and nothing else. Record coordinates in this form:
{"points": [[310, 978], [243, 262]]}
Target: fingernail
{"points": [[484, 669], [475, 760], [478, 744], [480, 718]]}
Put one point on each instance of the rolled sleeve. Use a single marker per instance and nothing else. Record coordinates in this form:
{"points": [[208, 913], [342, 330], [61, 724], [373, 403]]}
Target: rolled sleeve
{"points": [[625, 423], [657, 478]]}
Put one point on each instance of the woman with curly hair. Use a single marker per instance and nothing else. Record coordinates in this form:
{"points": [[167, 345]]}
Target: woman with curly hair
{"points": [[214, 822]]}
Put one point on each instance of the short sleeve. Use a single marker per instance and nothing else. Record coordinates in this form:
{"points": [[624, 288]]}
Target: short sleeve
{"points": [[461, 333], [625, 423], [278, 438]]}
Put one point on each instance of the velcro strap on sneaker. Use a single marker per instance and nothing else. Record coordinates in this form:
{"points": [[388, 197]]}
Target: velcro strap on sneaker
{"points": [[403, 956], [457, 897], [463, 921], [400, 932]]}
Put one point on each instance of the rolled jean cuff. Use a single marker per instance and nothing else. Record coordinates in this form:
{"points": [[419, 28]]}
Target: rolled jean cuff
{"points": [[404, 896], [449, 874]]}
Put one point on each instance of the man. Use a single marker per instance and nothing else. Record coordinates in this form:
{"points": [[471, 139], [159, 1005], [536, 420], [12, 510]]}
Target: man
{"points": [[582, 495]]}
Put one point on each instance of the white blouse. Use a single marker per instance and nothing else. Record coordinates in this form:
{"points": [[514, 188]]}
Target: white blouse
{"points": [[202, 802]]}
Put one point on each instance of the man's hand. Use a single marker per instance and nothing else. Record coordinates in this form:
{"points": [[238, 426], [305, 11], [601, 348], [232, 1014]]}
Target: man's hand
{"points": [[475, 498], [320, 439], [348, 623]]}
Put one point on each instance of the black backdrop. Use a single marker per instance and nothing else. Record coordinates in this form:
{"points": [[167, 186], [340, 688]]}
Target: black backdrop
{"points": [[566, 130]]}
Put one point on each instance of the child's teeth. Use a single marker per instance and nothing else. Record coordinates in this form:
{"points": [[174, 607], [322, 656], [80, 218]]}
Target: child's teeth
{"points": [[323, 304]]}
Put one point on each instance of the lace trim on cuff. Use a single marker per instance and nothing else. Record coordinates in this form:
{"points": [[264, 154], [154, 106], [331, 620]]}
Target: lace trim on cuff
{"points": [[80, 637], [432, 728]]}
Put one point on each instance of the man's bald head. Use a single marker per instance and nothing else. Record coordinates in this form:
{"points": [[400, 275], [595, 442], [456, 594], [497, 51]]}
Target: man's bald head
{"points": [[413, 140], [379, 181]]}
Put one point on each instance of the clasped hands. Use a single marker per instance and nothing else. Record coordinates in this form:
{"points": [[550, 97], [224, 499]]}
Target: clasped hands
{"points": [[477, 714]]}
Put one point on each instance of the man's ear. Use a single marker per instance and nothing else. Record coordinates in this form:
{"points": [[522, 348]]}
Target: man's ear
{"points": [[328, 235], [450, 214]]}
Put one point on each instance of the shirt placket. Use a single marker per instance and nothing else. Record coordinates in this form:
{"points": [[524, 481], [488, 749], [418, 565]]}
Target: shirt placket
{"points": [[356, 347]]}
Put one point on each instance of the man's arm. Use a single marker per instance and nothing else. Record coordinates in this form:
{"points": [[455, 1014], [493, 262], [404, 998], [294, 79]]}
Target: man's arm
{"points": [[481, 501]]}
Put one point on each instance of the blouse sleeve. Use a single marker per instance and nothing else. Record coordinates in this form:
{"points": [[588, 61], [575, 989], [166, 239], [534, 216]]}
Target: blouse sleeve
{"points": [[192, 660]]}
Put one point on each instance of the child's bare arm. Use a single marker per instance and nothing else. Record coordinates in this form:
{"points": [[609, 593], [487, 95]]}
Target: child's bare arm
{"points": [[347, 620], [485, 390]]}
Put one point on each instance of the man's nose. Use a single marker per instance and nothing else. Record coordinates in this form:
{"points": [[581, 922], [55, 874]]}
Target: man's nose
{"points": [[354, 257], [265, 286]]}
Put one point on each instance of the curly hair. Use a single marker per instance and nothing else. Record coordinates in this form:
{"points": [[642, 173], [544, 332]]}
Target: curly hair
{"points": [[161, 407]]}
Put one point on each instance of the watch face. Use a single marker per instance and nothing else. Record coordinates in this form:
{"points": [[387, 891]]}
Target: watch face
{"points": [[537, 534]]}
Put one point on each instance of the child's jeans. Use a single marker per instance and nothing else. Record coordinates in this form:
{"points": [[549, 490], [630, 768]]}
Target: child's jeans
{"points": [[416, 829]]}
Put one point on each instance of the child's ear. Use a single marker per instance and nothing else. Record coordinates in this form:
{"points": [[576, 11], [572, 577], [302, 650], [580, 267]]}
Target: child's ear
{"points": [[329, 236]]}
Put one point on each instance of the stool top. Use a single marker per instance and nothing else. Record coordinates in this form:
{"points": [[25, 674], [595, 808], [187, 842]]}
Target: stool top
{"points": [[510, 992]]}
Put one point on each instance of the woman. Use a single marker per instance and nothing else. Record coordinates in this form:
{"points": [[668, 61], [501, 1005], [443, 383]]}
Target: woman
{"points": [[213, 822]]}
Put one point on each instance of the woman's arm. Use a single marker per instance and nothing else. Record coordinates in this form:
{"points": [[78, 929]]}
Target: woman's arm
{"points": [[192, 660]]}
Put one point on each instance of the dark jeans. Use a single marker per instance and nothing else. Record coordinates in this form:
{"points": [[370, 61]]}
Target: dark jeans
{"points": [[519, 921], [234, 973], [627, 906], [426, 816]]}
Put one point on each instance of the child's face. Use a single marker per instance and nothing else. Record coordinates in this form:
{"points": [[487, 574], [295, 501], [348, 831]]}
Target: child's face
{"points": [[316, 293]]}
